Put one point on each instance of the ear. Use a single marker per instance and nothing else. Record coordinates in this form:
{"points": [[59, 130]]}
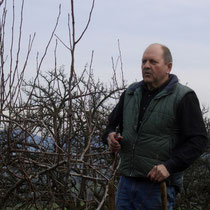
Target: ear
{"points": [[169, 67]]}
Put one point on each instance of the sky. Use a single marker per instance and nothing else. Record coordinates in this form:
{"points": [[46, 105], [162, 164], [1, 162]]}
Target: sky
{"points": [[182, 25]]}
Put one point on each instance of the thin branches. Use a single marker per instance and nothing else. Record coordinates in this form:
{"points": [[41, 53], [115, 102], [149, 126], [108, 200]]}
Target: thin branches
{"points": [[45, 51], [51, 127], [88, 23]]}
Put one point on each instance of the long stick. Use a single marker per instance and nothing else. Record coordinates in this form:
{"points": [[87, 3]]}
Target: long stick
{"points": [[163, 191]]}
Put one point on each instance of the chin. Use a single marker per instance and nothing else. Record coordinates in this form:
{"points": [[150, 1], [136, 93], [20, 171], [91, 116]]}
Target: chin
{"points": [[147, 80]]}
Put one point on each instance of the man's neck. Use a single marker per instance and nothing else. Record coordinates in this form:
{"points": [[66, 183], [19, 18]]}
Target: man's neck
{"points": [[152, 87]]}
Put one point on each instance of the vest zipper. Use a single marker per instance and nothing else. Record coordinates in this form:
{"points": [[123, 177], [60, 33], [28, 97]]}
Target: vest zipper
{"points": [[132, 161]]}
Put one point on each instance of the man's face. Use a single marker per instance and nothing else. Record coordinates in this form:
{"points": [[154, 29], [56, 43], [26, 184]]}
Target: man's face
{"points": [[154, 70]]}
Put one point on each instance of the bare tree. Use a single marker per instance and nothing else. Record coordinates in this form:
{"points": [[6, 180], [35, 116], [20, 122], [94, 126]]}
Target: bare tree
{"points": [[50, 139], [196, 186], [51, 155]]}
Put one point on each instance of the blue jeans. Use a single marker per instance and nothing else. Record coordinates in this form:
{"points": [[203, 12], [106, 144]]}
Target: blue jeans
{"points": [[133, 194]]}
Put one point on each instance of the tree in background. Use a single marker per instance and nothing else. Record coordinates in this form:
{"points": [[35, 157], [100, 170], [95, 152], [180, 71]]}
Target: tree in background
{"points": [[50, 139], [196, 186], [51, 155]]}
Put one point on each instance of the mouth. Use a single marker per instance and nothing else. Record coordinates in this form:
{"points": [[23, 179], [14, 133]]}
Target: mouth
{"points": [[147, 73]]}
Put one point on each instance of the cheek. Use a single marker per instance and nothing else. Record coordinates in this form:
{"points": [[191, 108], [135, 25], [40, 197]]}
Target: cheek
{"points": [[158, 72]]}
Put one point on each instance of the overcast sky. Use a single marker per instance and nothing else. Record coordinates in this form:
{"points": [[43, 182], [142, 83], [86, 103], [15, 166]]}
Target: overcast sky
{"points": [[182, 25]]}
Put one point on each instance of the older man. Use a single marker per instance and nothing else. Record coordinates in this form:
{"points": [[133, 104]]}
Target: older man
{"points": [[161, 132]]}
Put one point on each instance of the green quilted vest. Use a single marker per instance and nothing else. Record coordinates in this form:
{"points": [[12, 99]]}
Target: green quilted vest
{"points": [[153, 142]]}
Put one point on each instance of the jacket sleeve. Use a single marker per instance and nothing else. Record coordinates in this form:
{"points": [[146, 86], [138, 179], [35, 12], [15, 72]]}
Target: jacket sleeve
{"points": [[115, 119], [193, 137]]}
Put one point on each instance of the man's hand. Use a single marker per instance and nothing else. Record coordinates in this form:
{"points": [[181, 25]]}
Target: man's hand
{"points": [[158, 173], [113, 141]]}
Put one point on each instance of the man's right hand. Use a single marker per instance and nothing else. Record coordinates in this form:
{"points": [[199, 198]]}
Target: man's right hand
{"points": [[113, 141]]}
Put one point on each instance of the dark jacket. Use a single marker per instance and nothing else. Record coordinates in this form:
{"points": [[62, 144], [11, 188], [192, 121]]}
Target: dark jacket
{"points": [[189, 145]]}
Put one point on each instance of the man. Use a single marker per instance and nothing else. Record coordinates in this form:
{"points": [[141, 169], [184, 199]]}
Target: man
{"points": [[161, 133]]}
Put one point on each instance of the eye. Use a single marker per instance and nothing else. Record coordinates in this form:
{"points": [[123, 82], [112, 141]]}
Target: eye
{"points": [[153, 61], [144, 61]]}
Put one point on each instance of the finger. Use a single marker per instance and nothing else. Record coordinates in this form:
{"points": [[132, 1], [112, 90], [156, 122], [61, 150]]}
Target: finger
{"points": [[162, 173], [114, 145], [158, 177], [111, 139], [152, 172], [119, 138], [115, 149]]}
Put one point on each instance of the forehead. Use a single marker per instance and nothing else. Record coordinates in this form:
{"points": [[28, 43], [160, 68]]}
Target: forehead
{"points": [[153, 51]]}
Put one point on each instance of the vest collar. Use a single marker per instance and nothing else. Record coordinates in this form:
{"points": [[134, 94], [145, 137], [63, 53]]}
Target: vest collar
{"points": [[169, 87]]}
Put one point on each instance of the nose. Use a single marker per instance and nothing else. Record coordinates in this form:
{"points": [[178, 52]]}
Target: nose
{"points": [[146, 65]]}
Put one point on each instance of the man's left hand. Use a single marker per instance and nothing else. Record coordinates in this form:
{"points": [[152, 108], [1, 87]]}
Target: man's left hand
{"points": [[158, 173]]}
